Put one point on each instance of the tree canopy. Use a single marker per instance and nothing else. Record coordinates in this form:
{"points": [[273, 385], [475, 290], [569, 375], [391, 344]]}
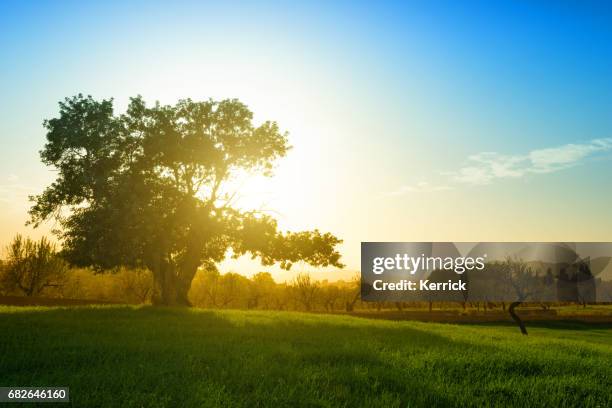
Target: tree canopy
{"points": [[149, 188]]}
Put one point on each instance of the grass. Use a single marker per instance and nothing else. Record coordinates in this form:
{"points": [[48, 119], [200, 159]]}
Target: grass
{"points": [[148, 357]]}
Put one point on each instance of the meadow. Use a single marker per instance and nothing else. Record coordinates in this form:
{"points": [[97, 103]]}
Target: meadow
{"points": [[164, 357]]}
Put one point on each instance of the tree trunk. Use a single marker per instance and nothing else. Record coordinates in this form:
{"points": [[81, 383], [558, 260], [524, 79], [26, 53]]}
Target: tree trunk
{"points": [[516, 317], [174, 279], [182, 289], [172, 288]]}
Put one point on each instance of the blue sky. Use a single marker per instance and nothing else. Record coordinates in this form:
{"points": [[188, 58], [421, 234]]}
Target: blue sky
{"points": [[387, 105]]}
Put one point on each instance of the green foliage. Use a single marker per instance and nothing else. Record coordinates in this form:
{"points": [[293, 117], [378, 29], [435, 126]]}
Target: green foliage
{"points": [[210, 289], [31, 267], [134, 286], [149, 188], [155, 357]]}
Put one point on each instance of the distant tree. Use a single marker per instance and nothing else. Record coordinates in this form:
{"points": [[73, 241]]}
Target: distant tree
{"points": [[280, 297], [152, 188], [306, 290], [32, 266], [585, 282], [353, 292], [5, 286], [520, 281], [260, 291], [136, 285], [205, 289], [233, 289], [330, 294]]}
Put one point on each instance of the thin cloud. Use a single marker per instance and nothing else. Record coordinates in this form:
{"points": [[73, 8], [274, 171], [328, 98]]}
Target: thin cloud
{"points": [[485, 167]]}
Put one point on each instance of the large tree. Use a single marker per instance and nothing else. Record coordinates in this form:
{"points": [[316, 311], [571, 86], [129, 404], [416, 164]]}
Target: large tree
{"points": [[152, 188]]}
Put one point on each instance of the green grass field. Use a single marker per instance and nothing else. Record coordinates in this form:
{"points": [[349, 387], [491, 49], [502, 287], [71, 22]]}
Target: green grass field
{"points": [[148, 357]]}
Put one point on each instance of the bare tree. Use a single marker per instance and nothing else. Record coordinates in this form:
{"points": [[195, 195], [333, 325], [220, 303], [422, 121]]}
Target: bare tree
{"points": [[306, 290], [523, 283], [33, 266], [354, 292]]}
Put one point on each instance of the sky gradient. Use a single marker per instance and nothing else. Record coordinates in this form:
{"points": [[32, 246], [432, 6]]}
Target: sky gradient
{"points": [[432, 121]]}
